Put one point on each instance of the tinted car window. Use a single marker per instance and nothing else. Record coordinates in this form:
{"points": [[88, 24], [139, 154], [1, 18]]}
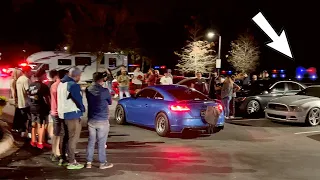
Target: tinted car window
{"points": [[310, 91], [186, 94], [278, 87], [146, 93], [294, 86]]}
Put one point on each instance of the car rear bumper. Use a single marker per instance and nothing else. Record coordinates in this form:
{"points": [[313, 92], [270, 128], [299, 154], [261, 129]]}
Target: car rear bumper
{"points": [[286, 116], [193, 124]]}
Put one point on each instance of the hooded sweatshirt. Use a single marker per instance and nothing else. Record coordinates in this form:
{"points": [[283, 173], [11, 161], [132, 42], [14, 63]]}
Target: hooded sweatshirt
{"points": [[70, 105]]}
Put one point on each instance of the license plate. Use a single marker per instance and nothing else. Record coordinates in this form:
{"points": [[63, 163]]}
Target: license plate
{"points": [[203, 113]]}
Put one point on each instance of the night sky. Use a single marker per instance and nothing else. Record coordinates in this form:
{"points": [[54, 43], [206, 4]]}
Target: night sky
{"points": [[35, 25]]}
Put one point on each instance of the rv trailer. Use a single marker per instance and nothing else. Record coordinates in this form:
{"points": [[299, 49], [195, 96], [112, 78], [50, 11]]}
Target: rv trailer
{"points": [[49, 60]]}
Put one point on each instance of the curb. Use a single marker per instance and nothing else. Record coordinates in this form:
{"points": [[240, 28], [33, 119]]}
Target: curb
{"points": [[7, 140]]}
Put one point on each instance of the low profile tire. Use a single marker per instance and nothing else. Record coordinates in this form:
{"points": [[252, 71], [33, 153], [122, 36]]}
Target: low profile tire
{"points": [[253, 108], [162, 125], [313, 117], [120, 115]]}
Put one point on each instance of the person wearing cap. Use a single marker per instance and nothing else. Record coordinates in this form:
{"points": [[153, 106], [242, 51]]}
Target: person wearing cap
{"points": [[22, 86], [39, 95], [99, 99], [71, 108]]}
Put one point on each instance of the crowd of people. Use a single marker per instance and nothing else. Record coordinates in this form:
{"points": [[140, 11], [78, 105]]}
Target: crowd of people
{"points": [[153, 77], [54, 110]]}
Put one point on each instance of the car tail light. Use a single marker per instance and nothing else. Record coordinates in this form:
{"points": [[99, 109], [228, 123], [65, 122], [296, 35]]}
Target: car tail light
{"points": [[220, 107], [23, 64], [179, 108]]}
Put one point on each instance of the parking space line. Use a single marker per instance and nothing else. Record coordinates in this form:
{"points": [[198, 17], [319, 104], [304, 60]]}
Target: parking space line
{"points": [[307, 132]]}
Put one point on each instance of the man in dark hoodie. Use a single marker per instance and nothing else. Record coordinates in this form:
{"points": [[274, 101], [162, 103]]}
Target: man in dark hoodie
{"points": [[71, 108]]}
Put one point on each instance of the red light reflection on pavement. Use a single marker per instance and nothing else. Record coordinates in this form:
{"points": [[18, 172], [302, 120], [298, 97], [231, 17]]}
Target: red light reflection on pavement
{"points": [[190, 160]]}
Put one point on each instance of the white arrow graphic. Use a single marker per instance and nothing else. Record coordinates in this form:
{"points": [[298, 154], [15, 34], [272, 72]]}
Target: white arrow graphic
{"points": [[280, 43]]}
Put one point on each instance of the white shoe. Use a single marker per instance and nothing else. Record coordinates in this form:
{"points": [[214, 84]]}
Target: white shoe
{"points": [[231, 117], [29, 135], [23, 134]]}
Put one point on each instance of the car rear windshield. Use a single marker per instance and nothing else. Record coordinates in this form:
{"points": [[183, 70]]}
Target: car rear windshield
{"points": [[184, 94], [310, 91]]}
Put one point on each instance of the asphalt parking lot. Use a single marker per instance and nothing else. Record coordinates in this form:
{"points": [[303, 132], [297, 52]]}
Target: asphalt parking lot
{"points": [[247, 149]]}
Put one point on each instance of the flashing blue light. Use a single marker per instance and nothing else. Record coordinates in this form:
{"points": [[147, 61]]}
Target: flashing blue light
{"points": [[283, 75], [274, 75], [301, 70], [229, 72], [157, 67], [314, 77], [299, 77], [282, 71]]}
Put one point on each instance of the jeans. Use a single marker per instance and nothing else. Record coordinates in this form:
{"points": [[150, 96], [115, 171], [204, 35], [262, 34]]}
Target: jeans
{"points": [[232, 107], [123, 90], [226, 105], [98, 131], [74, 130]]}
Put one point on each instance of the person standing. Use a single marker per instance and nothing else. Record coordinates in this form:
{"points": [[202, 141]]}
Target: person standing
{"points": [[71, 108], [122, 68], [108, 78], [124, 82], [200, 84], [236, 88], [254, 78], [39, 95], [169, 71], [157, 75], [213, 86], [22, 85], [17, 125], [166, 79], [151, 78], [138, 77], [226, 95], [98, 99]]}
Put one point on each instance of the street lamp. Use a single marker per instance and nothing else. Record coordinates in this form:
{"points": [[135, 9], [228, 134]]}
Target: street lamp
{"points": [[210, 35], [65, 48]]}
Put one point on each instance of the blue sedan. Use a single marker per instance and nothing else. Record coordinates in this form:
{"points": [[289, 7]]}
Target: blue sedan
{"points": [[167, 108]]}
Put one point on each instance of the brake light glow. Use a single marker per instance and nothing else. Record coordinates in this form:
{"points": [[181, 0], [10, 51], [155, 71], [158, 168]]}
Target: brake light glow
{"points": [[220, 107], [24, 64], [179, 108]]}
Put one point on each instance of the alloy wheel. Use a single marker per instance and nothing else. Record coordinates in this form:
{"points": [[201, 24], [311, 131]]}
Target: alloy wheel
{"points": [[314, 116], [253, 107]]}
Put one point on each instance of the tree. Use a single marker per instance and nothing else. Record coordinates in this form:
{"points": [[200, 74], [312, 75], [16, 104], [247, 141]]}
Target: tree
{"points": [[197, 55], [97, 27], [244, 54]]}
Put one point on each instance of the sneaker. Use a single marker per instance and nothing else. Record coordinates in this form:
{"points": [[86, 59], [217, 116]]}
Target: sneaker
{"points": [[89, 165], [40, 146], [74, 166], [33, 144], [106, 165], [23, 134], [54, 158], [62, 162]]}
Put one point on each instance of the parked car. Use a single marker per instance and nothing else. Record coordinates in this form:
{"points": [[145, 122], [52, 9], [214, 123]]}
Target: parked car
{"points": [[167, 108], [304, 107], [253, 99]]}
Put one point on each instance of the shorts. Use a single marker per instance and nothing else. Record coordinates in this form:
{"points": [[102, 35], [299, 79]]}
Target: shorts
{"points": [[25, 113], [39, 118], [137, 86], [58, 126]]}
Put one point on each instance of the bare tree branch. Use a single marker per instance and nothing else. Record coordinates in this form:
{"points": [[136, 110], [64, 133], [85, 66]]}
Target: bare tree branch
{"points": [[244, 54]]}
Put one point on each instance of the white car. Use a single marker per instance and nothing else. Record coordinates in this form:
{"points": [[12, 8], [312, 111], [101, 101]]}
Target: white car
{"points": [[304, 107]]}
